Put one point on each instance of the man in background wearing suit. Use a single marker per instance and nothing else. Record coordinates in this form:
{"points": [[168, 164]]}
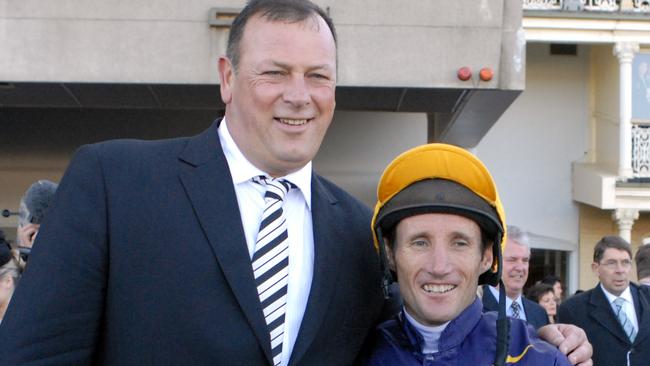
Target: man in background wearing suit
{"points": [[155, 253], [642, 259], [615, 314], [516, 257]]}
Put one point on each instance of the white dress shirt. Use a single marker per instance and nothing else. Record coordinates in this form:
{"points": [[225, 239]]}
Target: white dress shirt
{"points": [[297, 209], [522, 312], [628, 305]]}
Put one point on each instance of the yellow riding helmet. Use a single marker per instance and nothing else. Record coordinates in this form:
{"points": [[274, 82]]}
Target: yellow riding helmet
{"points": [[440, 178]]}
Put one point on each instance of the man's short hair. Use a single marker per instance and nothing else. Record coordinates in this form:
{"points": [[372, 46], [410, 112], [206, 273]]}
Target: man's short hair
{"points": [[519, 235], [613, 241], [642, 259], [290, 11]]}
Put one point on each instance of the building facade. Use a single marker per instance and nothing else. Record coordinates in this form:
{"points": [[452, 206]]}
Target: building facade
{"points": [[75, 72], [571, 153]]}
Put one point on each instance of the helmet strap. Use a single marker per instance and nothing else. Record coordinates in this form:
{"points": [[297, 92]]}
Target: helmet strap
{"points": [[503, 331], [387, 277]]}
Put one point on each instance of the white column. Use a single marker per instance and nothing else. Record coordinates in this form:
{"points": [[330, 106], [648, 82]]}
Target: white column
{"points": [[574, 273], [625, 52], [625, 218]]}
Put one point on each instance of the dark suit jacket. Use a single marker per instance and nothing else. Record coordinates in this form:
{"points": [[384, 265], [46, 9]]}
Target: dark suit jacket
{"points": [[592, 312], [535, 313], [142, 261]]}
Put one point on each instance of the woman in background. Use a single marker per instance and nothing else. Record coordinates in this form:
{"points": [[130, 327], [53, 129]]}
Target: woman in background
{"points": [[557, 287], [545, 296]]}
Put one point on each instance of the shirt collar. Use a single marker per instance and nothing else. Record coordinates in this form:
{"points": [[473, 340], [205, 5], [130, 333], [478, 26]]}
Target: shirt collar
{"points": [[626, 295], [454, 333], [430, 334], [242, 170], [509, 301]]}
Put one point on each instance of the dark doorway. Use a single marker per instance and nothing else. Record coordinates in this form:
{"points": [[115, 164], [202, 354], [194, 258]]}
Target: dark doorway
{"points": [[544, 262]]}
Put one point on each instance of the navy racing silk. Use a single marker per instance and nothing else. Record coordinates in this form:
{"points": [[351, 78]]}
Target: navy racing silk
{"points": [[470, 339]]}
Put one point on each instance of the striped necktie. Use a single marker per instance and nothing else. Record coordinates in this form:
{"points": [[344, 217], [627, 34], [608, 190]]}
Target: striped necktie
{"points": [[515, 309], [271, 261], [628, 327]]}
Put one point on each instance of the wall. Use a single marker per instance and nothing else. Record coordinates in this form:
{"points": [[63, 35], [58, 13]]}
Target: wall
{"points": [[170, 41], [530, 149], [359, 145], [605, 107]]}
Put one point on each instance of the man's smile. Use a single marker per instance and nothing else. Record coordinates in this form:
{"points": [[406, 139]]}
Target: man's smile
{"points": [[293, 122], [438, 288]]}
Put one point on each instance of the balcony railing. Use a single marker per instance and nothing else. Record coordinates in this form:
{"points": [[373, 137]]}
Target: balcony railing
{"points": [[637, 6], [641, 150]]}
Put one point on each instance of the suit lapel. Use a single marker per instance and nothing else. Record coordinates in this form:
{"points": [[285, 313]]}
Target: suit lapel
{"points": [[327, 240], [206, 178], [489, 301], [642, 304], [530, 314], [602, 313]]}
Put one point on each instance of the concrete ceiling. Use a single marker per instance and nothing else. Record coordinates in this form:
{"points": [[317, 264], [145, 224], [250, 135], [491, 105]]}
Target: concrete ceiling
{"points": [[458, 116]]}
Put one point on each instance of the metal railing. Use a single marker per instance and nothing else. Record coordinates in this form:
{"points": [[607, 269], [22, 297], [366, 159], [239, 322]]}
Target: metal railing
{"points": [[637, 6], [641, 150]]}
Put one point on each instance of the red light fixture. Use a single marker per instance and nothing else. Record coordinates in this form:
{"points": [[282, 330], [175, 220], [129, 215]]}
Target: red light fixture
{"points": [[464, 73], [486, 74]]}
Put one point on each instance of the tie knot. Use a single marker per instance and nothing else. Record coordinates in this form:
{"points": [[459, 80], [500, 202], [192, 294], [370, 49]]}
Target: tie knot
{"points": [[275, 188], [619, 301]]}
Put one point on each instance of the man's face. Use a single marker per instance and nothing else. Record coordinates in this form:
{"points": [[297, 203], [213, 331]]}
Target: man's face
{"points": [[613, 270], [280, 100], [438, 259], [515, 268]]}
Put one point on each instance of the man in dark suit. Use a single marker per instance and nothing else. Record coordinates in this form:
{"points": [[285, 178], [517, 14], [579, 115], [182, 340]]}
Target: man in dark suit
{"points": [[149, 255], [516, 257], [146, 256], [615, 313]]}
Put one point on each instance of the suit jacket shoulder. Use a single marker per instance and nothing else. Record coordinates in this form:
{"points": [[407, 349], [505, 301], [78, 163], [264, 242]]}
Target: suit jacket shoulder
{"points": [[489, 301], [535, 313]]}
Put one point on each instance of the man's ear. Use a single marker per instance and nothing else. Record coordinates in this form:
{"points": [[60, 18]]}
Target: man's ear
{"points": [[594, 268], [488, 258], [226, 76]]}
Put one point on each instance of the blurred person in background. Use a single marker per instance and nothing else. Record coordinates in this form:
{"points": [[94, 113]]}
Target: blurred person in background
{"points": [[544, 295], [642, 259], [33, 207], [11, 268], [516, 258], [615, 314], [556, 283]]}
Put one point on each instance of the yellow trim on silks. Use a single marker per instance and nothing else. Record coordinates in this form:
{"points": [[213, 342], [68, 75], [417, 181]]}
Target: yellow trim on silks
{"points": [[441, 161], [515, 359]]}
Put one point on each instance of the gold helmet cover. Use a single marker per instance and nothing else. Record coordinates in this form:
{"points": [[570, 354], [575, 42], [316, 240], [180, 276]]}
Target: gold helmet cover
{"points": [[440, 178]]}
